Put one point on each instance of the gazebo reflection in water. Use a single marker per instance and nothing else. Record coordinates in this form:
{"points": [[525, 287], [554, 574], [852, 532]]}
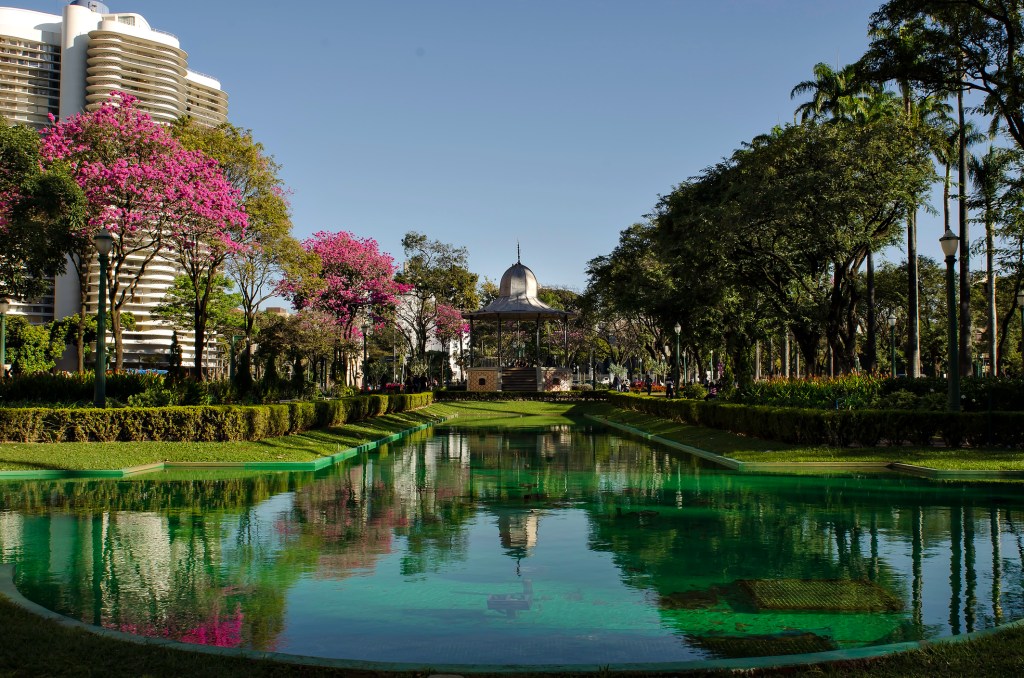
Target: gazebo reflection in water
{"points": [[517, 304]]}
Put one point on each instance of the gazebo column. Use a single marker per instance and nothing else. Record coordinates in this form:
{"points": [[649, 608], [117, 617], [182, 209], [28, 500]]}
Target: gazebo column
{"points": [[471, 363]]}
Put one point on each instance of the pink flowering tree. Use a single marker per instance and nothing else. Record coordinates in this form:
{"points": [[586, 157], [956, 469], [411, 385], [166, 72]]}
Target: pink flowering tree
{"points": [[209, 232], [143, 187], [356, 283]]}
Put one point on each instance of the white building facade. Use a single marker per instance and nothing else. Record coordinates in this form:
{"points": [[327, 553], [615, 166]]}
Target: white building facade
{"points": [[62, 65]]}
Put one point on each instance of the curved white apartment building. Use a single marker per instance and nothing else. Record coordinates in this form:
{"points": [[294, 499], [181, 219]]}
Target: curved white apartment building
{"points": [[62, 65]]}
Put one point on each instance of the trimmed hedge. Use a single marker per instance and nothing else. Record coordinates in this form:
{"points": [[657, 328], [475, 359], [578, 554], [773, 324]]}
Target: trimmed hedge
{"points": [[865, 428], [498, 396], [204, 423], [73, 388]]}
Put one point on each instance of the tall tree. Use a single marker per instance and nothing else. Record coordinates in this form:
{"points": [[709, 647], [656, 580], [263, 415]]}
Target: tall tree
{"points": [[356, 282], [435, 274], [267, 246], [845, 97], [141, 185], [41, 213], [988, 172]]}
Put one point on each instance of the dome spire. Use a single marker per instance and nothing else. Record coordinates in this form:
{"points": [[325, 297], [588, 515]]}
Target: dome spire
{"points": [[519, 259]]}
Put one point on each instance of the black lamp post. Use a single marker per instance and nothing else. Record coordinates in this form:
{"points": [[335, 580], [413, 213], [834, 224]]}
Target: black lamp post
{"points": [[5, 306], [949, 243], [104, 243], [892, 341], [366, 330], [679, 375]]}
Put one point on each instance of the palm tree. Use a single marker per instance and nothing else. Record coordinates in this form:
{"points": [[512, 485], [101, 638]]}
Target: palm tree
{"points": [[932, 116], [989, 174], [835, 95]]}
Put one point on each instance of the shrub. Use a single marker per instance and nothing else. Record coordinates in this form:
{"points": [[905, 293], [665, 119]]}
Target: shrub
{"points": [[694, 391], [815, 426], [194, 423]]}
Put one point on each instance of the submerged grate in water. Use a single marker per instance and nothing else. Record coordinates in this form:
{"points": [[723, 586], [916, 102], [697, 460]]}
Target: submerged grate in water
{"points": [[731, 647], [821, 594]]}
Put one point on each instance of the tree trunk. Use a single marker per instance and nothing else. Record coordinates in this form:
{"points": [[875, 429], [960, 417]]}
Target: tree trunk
{"points": [[115, 326], [965, 245], [785, 355], [913, 302], [871, 350], [990, 246], [80, 339]]}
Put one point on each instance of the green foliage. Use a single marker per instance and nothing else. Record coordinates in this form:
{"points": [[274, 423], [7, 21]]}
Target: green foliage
{"points": [[31, 348], [41, 211], [71, 389], [846, 392], [866, 427], [178, 307], [694, 391], [203, 423]]}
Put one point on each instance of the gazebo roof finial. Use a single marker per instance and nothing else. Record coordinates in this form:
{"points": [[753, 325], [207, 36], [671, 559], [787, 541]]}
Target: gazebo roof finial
{"points": [[519, 258]]}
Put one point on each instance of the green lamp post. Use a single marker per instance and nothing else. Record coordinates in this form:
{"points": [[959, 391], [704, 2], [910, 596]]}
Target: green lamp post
{"points": [[679, 375], [949, 243], [104, 243]]}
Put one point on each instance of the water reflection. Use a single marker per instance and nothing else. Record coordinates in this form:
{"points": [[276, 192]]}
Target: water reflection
{"points": [[566, 545]]}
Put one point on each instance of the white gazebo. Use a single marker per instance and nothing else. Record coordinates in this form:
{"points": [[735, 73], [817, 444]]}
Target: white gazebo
{"points": [[517, 302]]}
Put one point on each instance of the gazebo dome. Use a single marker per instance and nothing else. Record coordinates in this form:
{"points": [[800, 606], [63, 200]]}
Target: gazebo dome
{"points": [[517, 298], [518, 282]]}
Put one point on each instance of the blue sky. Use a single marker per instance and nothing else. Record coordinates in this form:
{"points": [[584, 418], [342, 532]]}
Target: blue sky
{"points": [[554, 123]]}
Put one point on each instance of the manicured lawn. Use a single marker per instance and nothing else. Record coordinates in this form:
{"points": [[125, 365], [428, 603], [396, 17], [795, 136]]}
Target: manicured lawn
{"points": [[502, 415]]}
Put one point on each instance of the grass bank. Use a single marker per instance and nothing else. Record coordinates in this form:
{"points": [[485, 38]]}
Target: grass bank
{"points": [[744, 448], [307, 446]]}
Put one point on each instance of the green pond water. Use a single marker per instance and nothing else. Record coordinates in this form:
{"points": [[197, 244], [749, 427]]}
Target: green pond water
{"points": [[566, 545]]}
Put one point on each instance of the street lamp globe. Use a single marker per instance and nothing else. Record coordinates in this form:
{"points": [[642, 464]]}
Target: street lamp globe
{"points": [[949, 242], [5, 305], [892, 320], [678, 328], [104, 241]]}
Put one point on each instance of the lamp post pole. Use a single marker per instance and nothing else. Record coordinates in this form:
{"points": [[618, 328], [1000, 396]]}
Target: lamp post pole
{"points": [[104, 243], [892, 341], [5, 306], [679, 375], [1020, 303], [949, 243]]}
